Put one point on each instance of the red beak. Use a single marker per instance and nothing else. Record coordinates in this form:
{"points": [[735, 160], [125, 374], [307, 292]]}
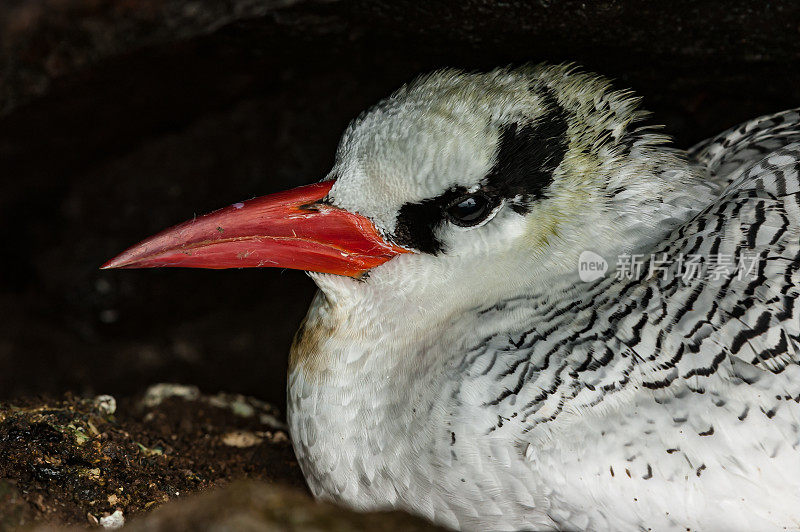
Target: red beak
{"points": [[291, 229]]}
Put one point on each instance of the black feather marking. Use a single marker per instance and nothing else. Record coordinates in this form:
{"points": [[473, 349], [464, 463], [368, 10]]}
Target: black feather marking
{"points": [[527, 156], [417, 222]]}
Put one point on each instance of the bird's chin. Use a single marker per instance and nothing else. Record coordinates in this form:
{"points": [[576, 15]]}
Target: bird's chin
{"points": [[383, 285], [338, 287]]}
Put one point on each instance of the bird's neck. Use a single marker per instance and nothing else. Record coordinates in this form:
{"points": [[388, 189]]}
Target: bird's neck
{"points": [[356, 385]]}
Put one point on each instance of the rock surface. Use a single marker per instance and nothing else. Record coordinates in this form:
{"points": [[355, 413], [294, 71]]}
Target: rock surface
{"points": [[256, 506]]}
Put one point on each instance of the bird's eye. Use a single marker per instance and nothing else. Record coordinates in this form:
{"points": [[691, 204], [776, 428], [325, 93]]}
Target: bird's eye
{"points": [[469, 210]]}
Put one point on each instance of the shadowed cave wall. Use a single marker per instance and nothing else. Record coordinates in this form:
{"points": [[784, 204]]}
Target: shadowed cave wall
{"points": [[118, 119]]}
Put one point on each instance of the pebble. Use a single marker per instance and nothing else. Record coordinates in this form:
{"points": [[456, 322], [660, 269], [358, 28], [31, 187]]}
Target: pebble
{"points": [[105, 404], [113, 521], [158, 392]]}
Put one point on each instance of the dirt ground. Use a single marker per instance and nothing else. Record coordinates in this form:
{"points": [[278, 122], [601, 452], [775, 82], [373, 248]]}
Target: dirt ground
{"points": [[75, 460], [96, 462]]}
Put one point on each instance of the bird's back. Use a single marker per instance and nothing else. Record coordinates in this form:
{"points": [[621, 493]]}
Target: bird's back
{"points": [[672, 391]]}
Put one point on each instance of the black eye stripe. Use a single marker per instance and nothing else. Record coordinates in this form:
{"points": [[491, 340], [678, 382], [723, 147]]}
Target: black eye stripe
{"points": [[417, 222], [527, 156]]}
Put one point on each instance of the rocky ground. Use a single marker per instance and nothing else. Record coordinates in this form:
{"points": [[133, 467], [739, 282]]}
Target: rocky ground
{"points": [[102, 463]]}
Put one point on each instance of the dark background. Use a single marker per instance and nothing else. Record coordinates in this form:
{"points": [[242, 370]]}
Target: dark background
{"points": [[119, 118]]}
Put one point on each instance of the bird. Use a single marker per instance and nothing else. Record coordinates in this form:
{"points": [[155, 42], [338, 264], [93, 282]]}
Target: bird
{"points": [[534, 312]]}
